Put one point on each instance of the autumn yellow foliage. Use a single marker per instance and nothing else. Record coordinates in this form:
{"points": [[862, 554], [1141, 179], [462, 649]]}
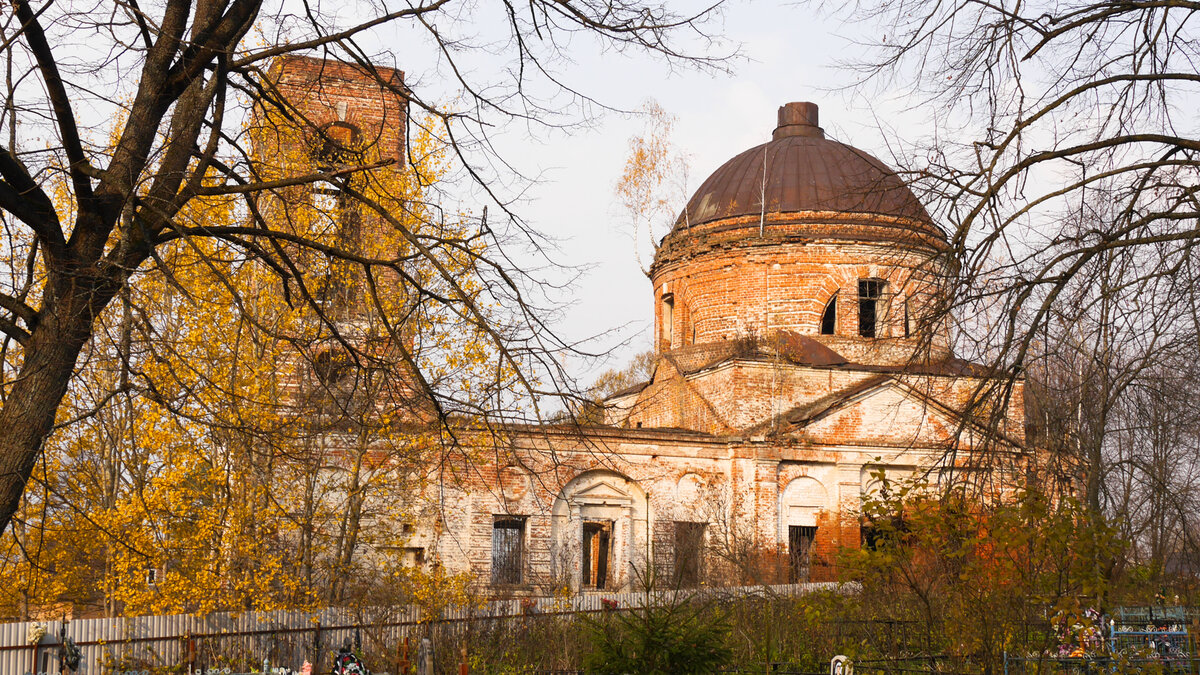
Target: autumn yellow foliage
{"points": [[246, 437]]}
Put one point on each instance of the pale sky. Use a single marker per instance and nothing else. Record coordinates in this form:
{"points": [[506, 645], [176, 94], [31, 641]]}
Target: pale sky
{"points": [[792, 56]]}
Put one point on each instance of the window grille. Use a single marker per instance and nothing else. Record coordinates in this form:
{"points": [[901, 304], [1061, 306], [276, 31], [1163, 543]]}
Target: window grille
{"points": [[508, 544], [800, 541]]}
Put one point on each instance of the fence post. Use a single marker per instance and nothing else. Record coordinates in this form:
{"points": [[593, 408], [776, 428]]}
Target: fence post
{"points": [[317, 647], [186, 643], [62, 643], [462, 665], [402, 657]]}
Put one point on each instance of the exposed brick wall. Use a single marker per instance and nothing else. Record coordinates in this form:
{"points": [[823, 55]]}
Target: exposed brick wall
{"points": [[759, 285], [304, 97], [323, 91], [739, 394], [748, 445], [314, 103], [740, 488]]}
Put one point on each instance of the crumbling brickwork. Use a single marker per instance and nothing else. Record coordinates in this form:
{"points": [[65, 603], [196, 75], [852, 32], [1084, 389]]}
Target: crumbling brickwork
{"points": [[769, 414], [764, 421], [319, 93]]}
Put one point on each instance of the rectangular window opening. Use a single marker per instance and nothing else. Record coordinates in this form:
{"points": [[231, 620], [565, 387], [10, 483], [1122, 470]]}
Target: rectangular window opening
{"points": [[870, 292], [508, 549], [689, 554], [870, 538], [800, 542], [412, 556], [597, 540]]}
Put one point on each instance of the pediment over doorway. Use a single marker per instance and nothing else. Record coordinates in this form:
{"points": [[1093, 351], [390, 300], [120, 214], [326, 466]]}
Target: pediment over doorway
{"points": [[602, 493]]}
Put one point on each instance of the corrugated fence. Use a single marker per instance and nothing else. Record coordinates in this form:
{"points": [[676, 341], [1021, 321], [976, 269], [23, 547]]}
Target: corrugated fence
{"points": [[283, 639]]}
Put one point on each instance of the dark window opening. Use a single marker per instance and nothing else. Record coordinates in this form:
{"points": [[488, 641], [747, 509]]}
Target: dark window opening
{"points": [[870, 292], [596, 544], [907, 328], [878, 535], [508, 543], [800, 542], [337, 208], [338, 215], [412, 556], [331, 366], [829, 318], [689, 554], [871, 538], [337, 144]]}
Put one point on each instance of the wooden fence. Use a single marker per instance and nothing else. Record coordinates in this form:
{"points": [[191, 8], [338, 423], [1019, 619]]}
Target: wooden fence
{"points": [[283, 639]]}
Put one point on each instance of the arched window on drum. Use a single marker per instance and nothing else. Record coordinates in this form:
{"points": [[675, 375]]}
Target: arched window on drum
{"points": [[829, 316]]}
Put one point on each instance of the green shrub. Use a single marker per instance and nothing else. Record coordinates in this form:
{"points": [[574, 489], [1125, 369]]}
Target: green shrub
{"points": [[677, 636]]}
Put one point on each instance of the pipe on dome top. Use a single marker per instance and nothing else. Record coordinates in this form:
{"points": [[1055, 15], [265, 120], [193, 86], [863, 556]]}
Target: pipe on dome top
{"points": [[798, 118]]}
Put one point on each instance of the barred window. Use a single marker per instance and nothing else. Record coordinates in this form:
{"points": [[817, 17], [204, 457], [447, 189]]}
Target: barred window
{"points": [[508, 548], [800, 541]]}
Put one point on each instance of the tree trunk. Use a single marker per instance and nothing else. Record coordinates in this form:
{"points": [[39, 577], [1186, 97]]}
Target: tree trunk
{"points": [[28, 414], [73, 299]]}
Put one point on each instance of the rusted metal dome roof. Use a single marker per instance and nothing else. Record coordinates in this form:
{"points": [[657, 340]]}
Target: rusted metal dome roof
{"points": [[800, 170]]}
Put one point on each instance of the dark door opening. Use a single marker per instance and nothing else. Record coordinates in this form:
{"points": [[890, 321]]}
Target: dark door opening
{"points": [[689, 554], [596, 538]]}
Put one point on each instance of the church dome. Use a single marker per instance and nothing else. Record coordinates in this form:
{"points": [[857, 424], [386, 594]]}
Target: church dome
{"points": [[807, 236], [801, 176]]}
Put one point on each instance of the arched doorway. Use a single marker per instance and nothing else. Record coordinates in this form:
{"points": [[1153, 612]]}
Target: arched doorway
{"points": [[801, 501], [599, 523]]}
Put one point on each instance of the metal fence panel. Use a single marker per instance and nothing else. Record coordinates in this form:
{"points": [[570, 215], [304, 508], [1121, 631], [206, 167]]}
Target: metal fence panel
{"points": [[283, 638]]}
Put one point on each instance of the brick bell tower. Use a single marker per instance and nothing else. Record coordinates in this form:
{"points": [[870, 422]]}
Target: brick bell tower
{"points": [[321, 115], [324, 116]]}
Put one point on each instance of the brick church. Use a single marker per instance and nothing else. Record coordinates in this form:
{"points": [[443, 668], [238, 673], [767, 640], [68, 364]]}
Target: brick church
{"points": [[802, 352]]}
